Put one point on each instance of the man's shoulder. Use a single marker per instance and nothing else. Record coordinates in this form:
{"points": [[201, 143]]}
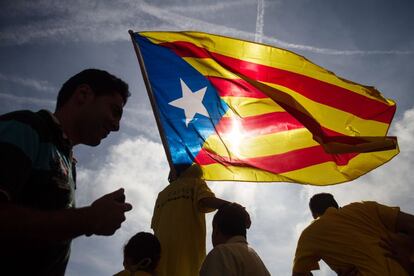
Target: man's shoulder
{"points": [[220, 252], [221, 248], [360, 205], [310, 228], [18, 115], [36, 120], [19, 127], [233, 244], [236, 254], [317, 224]]}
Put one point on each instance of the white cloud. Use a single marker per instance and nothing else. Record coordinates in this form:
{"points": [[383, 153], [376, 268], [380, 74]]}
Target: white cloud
{"points": [[259, 20], [141, 120], [208, 8], [279, 211], [94, 21], [389, 184], [24, 101], [103, 22], [181, 22], [139, 166], [39, 85]]}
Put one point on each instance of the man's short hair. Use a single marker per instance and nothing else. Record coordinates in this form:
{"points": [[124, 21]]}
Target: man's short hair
{"points": [[100, 81], [141, 246], [231, 220], [320, 202]]}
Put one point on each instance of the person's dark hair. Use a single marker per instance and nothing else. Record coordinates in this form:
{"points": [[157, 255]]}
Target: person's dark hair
{"points": [[100, 81], [320, 202], [182, 170], [141, 246], [231, 220]]}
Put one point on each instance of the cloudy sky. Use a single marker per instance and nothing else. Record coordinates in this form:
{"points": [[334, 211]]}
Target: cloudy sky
{"points": [[42, 43]]}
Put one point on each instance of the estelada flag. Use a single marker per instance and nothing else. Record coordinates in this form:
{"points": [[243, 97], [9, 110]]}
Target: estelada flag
{"points": [[246, 111]]}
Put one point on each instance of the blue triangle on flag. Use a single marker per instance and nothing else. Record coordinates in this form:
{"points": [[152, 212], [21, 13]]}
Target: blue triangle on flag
{"points": [[165, 69]]}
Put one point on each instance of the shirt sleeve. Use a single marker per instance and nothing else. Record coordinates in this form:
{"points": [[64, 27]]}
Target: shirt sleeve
{"points": [[305, 259], [203, 191], [18, 149], [388, 216]]}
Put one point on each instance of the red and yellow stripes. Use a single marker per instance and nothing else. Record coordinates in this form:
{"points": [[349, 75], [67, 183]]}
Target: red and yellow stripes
{"points": [[279, 103]]}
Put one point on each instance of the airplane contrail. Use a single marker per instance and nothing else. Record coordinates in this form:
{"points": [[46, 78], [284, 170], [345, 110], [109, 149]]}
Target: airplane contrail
{"points": [[184, 22], [259, 20], [80, 27], [215, 7]]}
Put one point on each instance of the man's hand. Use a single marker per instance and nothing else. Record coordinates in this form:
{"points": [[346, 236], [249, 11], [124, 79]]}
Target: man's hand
{"points": [[247, 221], [106, 214]]}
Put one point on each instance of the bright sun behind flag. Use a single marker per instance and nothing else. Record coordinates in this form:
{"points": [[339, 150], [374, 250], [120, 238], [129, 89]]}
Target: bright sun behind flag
{"points": [[245, 111]]}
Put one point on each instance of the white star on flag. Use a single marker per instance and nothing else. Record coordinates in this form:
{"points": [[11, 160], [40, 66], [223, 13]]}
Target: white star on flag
{"points": [[191, 102]]}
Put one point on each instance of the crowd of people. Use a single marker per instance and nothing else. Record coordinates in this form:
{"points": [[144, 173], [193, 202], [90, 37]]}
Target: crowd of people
{"points": [[39, 217]]}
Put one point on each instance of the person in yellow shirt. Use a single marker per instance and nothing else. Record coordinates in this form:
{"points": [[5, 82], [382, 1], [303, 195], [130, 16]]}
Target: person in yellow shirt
{"points": [[348, 239], [179, 223], [400, 247], [141, 255]]}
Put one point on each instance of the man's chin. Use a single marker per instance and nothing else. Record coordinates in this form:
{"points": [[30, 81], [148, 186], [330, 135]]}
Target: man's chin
{"points": [[93, 143]]}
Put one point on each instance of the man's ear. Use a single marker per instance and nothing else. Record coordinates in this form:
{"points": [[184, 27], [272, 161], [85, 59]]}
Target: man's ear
{"points": [[83, 94]]}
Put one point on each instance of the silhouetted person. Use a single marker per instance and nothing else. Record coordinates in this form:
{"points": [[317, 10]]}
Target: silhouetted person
{"points": [[400, 247], [179, 222], [348, 238], [141, 255], [231, 254], [38, 215]]}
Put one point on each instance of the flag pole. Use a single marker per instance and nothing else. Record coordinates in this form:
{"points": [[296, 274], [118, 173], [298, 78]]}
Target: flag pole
{"points": [[153, 105]]}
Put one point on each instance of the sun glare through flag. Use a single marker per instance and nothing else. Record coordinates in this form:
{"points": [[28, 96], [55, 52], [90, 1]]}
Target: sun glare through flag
{"points": [[245, 111]]}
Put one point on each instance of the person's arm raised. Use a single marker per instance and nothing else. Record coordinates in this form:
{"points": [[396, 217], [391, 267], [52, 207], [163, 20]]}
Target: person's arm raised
{"points": [[212, 202], [216, 203]]}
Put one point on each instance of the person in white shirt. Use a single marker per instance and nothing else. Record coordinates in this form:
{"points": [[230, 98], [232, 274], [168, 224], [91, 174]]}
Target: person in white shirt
{"points": [[231, 254]]}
